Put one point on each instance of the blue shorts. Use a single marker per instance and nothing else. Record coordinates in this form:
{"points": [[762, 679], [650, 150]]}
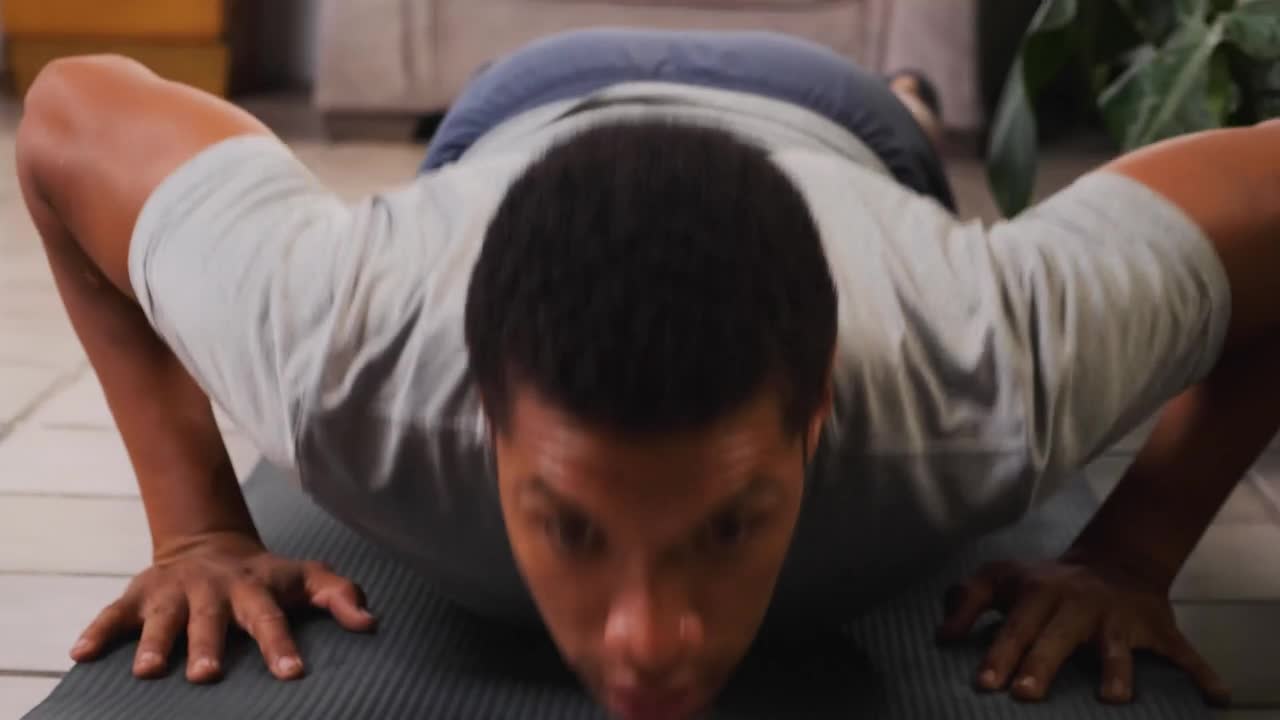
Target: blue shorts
{"points": [[781, 67]]}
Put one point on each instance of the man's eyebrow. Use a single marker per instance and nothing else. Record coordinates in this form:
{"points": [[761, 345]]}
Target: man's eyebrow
{"points": [[537, 485], [758, 485]]}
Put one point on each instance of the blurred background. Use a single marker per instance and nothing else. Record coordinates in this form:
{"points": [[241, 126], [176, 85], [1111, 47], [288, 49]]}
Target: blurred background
{"points": [[338, 70], [356, 88]]}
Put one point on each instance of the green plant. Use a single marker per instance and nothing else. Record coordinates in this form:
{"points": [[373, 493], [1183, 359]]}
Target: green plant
{"points": [[1158, 68]]}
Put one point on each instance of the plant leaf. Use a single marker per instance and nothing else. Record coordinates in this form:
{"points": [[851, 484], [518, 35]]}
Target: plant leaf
{"points": [[1191, 9], [1254, 27], [1166, 92], [1153, 19], [1223, 92], [1011, 155], [1264, 85]]}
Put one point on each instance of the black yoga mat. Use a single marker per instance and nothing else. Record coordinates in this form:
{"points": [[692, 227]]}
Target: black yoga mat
{"points": [[432, 660]]}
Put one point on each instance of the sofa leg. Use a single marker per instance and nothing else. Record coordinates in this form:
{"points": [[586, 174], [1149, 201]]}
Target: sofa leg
{"points": [[390, 127]]}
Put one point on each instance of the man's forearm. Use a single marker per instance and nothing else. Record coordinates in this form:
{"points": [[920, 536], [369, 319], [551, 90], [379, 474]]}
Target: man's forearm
{"points": [[187, 482], [1204, 441]]}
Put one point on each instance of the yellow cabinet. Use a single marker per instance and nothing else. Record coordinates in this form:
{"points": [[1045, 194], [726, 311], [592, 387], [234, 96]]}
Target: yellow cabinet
{"points": [[183, 40]]}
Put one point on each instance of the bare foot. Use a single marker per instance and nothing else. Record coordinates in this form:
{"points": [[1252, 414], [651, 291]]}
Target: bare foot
{"points": [[907, 88]]}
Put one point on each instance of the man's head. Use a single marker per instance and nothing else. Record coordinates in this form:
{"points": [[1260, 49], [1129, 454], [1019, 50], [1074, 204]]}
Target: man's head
{"points": [[651, 325]]}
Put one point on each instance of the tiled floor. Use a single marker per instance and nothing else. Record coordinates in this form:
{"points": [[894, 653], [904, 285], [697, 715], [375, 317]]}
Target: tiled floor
{"points": [[72, 528]]}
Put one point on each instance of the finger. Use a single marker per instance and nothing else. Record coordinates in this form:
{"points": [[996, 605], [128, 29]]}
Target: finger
{"points": [[1020, 629], [341, 597], [115, 620], [162, 621], [965, 603], [206, 633], [1180, 653], [1117, 669], [258, 613], [1070, 627]]}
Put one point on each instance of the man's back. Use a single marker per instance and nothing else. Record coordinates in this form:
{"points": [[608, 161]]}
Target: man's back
{"points": [[960, 396]]}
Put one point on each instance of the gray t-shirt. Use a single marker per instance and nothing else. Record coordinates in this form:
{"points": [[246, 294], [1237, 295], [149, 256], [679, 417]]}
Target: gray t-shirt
{"points": [[977, 368]]}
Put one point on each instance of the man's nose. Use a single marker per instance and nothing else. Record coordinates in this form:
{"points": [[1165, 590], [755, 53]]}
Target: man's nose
{"points": [[655, 629]]}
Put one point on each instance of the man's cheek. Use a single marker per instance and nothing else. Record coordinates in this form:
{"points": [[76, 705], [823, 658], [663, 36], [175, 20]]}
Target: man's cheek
{"points": [[569, 604]]}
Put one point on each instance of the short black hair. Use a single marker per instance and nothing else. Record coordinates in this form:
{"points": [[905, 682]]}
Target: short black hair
{"points": [[652, 277]]}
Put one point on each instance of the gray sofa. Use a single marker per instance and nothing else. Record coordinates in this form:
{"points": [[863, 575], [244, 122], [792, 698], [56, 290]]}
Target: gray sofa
{"points": [[385, 62]]}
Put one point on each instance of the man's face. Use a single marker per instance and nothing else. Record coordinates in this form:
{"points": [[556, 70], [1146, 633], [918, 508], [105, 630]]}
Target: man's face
{"points": [[652, 559]]}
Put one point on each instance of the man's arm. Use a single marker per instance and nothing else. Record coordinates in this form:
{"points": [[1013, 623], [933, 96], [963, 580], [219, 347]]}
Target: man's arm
{"points": [[97, 138], [98, 135], [1228, 182], [1111, 588]]}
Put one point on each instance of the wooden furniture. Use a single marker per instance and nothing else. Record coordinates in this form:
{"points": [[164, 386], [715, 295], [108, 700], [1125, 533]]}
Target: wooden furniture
{"points": [[184, 40]]}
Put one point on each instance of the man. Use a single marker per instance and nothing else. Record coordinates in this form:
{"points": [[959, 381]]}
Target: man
{"points": [[675, 329]]}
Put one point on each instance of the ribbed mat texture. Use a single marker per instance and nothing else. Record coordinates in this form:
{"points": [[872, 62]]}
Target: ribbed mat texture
{"points": [[431, 660]]}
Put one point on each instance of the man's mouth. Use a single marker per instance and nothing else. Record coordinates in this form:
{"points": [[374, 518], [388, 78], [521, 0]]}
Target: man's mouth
{"points": [[642, 704]]}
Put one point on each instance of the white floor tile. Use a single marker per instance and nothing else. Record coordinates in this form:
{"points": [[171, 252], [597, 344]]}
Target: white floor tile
{"points": [[1267, 474], [59, 351], [1239, 641], [41, 616], [18, 695], [1233, 562], [40, 460], [73, 535], [1246, 505], [83, 405], [20, 387]]}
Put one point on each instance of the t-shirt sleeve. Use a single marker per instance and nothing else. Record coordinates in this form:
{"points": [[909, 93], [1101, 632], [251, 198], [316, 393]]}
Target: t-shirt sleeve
{"points": [[980, 367], [1002, 359], [235, 259], [1114, 302]]}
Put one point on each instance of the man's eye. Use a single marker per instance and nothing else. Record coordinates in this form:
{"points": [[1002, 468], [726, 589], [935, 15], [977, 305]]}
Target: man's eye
{"points": [[727, 531], [571, 534]]}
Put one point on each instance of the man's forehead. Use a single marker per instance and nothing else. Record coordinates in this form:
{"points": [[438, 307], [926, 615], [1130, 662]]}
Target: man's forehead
{"points": [[539, 426], [591, 470], [571, 492]]}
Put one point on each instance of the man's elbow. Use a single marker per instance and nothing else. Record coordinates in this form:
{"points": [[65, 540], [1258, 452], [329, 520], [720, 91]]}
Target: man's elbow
{"points": [[65, 84], [59, 105]]}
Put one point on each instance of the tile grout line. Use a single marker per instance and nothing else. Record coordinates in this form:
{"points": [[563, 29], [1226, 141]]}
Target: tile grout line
{"points": [[31, 674], [1270, 500], [32, 495], [1219, 602], [64, 381]]}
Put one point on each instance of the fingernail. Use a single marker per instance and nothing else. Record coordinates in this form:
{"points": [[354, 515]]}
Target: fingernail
{"points": [[148, 659], [288, 665], [1117, 689], [366, 613], [1027, 683], [206, 665], [988, 678], [81, 645]]}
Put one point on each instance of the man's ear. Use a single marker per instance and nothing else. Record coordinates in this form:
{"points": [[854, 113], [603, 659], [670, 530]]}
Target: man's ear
{"points": [[813, 435]]}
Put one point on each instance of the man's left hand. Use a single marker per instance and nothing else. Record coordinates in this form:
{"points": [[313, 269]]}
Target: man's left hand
{"points": [[1053, 608]]}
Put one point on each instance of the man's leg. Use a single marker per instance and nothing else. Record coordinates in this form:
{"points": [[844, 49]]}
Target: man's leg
{"points": [[785, 68], [908, 89]]}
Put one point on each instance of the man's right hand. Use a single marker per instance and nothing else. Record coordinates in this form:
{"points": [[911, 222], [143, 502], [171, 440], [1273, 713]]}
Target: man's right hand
{"points": [[205, 585], [85, 185]]}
